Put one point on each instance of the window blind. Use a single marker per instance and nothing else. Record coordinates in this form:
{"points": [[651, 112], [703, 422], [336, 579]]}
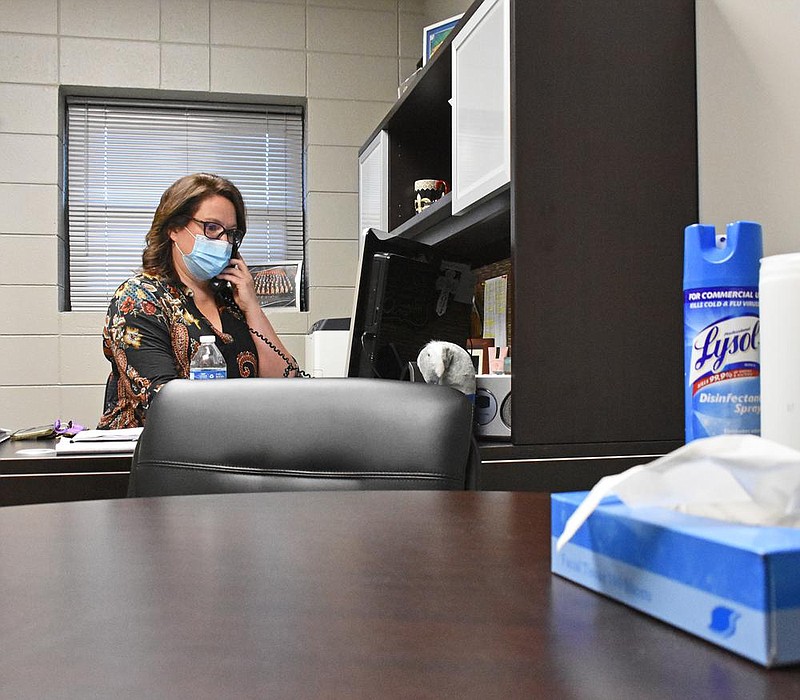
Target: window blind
{"points": [[121, 155]]}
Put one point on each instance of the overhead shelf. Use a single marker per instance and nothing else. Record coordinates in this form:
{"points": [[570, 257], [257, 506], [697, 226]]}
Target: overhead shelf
{"points": [[480, 234]]}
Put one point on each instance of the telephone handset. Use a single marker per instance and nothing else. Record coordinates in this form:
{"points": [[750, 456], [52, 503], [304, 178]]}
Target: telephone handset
{"points": [[224, 290]]}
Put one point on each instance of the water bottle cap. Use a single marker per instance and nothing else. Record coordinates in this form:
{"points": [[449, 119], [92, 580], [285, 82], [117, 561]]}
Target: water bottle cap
{"points": [[207, 338]]}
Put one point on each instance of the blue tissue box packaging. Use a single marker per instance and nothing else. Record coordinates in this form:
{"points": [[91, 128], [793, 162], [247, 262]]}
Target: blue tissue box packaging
{"points": [[737, 586]]}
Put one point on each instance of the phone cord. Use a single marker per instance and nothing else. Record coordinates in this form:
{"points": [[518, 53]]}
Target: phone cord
{"points": [[291, 364]]}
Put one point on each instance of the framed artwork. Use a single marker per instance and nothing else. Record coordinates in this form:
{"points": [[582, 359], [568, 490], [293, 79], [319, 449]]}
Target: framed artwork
{"points": [[477, 361], [434, 34], [479, 349], [278, 284]]}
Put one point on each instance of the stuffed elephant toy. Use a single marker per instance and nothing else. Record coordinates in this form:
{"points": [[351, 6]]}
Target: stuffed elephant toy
{"points": [[449, 364]]}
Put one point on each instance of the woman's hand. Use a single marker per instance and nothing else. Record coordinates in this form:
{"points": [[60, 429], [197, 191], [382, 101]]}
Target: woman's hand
{"points": [[270, 363], [244, 287]]}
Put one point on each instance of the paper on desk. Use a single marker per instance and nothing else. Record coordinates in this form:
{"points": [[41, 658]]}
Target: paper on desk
{"points": [[108, 435], [65, 446], [99, 441], [736, 478]]}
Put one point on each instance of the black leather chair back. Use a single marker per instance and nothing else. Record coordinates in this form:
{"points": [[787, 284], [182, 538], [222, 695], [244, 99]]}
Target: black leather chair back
{"points": [[242, 435]]}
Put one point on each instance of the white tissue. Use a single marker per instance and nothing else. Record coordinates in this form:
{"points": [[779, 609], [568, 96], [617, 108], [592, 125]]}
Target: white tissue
{"points": [[736, 478]]}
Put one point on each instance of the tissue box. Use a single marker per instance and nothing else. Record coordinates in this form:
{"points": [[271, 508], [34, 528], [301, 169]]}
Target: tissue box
{"points": [[734, 585]]}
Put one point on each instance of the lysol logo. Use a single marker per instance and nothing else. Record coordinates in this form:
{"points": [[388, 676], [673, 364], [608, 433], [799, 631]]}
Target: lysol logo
{"points": [[723, 621], [733, 340]]}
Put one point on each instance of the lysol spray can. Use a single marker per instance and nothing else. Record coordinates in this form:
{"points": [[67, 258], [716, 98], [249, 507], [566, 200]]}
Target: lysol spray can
{"points": [[721, 330]]}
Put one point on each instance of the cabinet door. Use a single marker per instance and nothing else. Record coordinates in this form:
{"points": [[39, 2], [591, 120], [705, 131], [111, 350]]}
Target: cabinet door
{"points": [[373, 185], [605, 145], [481, 118]]}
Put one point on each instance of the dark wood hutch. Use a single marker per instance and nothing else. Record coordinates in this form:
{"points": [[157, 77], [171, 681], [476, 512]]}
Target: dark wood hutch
{"points": [[603, 181]]}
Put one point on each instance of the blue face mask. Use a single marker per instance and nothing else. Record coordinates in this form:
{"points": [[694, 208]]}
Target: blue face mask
{"points": [[207, 258]]}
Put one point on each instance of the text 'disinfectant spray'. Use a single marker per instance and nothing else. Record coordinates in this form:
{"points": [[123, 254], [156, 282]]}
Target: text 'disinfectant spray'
{"points": [[721, 330]]}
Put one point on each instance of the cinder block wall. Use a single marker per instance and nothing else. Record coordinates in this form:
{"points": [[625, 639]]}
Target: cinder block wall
{"points": [[342, 58]]}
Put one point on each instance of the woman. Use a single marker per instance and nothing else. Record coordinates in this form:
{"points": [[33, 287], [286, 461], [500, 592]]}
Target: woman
{"points": [[156, 318]]}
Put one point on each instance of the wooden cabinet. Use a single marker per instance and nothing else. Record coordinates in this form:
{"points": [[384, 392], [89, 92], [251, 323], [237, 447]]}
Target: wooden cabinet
{"points": [[603, 181], [31, 472]]}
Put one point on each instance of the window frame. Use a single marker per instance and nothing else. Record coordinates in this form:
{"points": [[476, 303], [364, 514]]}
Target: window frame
{"points": [[257, 238]]}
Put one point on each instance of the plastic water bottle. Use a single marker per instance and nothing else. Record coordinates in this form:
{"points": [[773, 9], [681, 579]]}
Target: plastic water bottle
{"points": [[207, 361], [721, 330]]}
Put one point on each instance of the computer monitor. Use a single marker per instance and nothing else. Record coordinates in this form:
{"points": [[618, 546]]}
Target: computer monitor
{"points": [[406, 295]]}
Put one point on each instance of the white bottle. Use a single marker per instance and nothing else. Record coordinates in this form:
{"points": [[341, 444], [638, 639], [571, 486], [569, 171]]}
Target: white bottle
{"points": [[207, 361], [779, 292]]}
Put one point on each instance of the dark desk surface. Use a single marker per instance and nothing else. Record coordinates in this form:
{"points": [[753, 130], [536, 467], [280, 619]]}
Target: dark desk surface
{"points": [[39, 477], [335, 595]]}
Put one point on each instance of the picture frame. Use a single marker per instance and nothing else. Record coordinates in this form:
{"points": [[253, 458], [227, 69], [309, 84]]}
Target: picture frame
{"points": [[434, 34], [278, 284], [477, 360], [479, 348]]}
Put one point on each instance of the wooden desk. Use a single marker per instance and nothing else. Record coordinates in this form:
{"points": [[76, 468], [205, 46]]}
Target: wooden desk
{"points": [[335, 595], [47, 478]]}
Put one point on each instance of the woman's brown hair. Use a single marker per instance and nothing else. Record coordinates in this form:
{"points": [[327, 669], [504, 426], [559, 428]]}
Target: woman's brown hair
{"points": [[178, 204]]}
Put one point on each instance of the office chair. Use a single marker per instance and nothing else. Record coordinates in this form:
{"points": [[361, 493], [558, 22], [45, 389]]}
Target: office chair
{"points": [[242, 435]]}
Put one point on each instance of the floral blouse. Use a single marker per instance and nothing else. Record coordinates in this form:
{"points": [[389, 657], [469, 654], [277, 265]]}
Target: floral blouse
{"points": [[151, 331]]}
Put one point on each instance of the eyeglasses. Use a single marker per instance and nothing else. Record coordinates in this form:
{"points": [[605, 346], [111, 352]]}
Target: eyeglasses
{"points": [[215, 231]]}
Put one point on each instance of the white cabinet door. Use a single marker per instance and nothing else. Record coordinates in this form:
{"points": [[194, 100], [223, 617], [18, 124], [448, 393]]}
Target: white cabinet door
{"points": [[373, 185], [481, 105]]}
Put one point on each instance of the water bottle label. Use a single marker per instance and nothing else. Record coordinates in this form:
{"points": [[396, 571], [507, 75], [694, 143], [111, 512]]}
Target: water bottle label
{"points": [[722, 361], [208, 374]]}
